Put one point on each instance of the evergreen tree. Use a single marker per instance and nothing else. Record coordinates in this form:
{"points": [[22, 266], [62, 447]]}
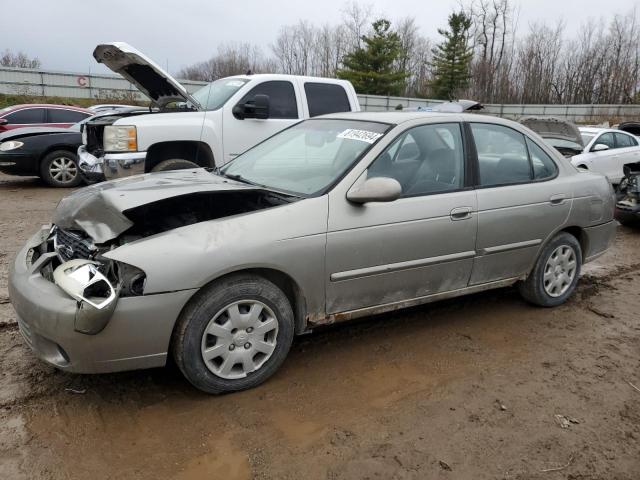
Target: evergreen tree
{"points": [[452, 58], [371, 68]]}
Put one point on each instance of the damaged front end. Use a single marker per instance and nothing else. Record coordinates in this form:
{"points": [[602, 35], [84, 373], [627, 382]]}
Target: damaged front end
{"points": [[74, 263], [628, 196]]}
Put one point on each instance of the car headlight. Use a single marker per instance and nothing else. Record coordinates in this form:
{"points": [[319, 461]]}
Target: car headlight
{"points": [[120, 138], [10, 145]]}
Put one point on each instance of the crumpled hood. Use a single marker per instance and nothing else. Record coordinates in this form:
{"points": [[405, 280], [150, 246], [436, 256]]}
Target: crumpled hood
{"points": [[99, 210]]}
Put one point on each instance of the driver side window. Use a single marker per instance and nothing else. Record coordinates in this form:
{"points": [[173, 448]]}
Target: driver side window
{"points": [[424, 160], [606, 139], [282, 98]]}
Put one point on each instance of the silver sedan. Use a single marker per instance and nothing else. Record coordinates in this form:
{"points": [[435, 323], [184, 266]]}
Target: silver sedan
{"points": [[335, 218]]}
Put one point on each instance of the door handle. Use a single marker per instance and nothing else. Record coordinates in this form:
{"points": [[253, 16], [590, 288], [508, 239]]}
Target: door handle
{"points": [[461, 213], [557, 199]]}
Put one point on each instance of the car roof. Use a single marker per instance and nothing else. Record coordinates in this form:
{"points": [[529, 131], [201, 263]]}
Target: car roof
{"points": [[44, 105], [397, 117], [284, 76], [596, 130]]}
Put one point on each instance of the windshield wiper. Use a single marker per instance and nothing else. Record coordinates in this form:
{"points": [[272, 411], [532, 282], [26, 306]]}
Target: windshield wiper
{"points": [[237, 177]]}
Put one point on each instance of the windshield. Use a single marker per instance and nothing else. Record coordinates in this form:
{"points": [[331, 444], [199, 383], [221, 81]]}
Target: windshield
{"points": [[587, 137], [307, 158], [216, 94]]}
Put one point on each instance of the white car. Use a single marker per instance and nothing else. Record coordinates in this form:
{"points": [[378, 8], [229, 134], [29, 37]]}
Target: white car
{"points": [[606, 151]]}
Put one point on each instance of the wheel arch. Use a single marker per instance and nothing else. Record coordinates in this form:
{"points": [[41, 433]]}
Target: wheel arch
{"points": [[193, 151], [580, 235], [283, 281], [53, 148]]}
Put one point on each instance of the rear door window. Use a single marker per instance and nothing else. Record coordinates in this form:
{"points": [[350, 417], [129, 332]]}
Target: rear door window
{"points": [[624, 141], [323, 98], [502, 155], [543, 166], [282, 98], [27, 116], [60, 115]]}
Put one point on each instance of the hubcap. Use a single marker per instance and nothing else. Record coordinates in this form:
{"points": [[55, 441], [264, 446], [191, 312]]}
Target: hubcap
{"points": [[63, 169], [239, 339], [559, 271]]}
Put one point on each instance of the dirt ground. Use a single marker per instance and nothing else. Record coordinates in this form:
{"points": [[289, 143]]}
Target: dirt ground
{"points": [[483, 387]]}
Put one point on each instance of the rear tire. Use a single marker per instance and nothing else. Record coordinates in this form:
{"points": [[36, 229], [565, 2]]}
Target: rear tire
{"points": [[174, 164], [60, 169], [555, 274], [233, 334]]}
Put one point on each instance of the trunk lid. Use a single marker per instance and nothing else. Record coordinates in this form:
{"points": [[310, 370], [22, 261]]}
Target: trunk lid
{"points": [[143, 72]]}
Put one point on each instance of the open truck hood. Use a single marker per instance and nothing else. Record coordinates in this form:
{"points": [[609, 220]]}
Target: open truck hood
{"points": [[143, 72], [101, 210]]}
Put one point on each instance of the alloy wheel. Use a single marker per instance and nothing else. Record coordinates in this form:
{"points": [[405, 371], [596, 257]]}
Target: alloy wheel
{"points": [[63, 169]]}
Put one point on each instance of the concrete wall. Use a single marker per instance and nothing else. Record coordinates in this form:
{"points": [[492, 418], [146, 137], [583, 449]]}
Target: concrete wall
{"points": [[82, 85]]}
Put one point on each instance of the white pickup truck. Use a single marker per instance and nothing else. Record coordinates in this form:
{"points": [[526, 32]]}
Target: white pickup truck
{"points": [[206, 129]]}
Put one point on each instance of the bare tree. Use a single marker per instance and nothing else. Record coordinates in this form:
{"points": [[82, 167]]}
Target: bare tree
{"points": [[231, 59], [18, 60]]}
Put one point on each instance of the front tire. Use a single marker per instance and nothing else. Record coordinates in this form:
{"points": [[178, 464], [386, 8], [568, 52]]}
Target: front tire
{"points": [[60, 169], [174, 164], [555, 274], [234, 334]]}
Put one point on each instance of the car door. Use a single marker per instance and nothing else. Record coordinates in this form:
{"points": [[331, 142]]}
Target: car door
{"points": [[419, 245], [284, 110], [627, 151], [521, 201], [25, 117], [604, 161]]}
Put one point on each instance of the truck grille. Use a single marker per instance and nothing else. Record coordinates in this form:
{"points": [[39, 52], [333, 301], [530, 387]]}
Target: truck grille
{"points": [[71, 245]]}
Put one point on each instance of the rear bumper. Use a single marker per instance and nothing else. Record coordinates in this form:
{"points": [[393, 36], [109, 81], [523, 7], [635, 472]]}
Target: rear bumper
{"points": [[599, 239], [136, 336]]}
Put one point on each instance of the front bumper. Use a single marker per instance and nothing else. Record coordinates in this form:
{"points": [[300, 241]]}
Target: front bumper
{"points": [[14, 163], [90, 166], [136, 336], [111, 165]]}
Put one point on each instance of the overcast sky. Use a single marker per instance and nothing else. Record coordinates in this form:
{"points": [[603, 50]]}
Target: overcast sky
{"points": [[63, 33]]}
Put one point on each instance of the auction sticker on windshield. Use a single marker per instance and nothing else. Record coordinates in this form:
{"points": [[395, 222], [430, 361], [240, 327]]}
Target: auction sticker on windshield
{"points": [[362, 135]]}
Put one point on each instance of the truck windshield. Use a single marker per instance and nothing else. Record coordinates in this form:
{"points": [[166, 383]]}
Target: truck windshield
{"points": [[216, 94], [308, 158]]}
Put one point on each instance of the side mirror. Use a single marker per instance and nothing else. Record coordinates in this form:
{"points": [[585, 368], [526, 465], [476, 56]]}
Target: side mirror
{"points": [[258, 107], [599, 147], [3, 121], [377, 189]]}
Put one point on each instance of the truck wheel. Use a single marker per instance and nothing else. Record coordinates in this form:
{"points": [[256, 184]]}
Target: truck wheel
{"points": [[555, 274], [233, 334], [60, 169], [174, 164]]}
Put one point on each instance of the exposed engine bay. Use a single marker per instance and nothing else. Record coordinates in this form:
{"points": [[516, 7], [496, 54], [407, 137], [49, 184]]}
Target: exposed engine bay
{"points": [[71, 245]]}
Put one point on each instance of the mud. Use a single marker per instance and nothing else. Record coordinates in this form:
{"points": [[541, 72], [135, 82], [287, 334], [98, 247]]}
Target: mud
{"points": [[483, 387]]}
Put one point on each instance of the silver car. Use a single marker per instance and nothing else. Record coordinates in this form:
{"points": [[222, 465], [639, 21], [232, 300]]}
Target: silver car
{"points": [[335, 218]]}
